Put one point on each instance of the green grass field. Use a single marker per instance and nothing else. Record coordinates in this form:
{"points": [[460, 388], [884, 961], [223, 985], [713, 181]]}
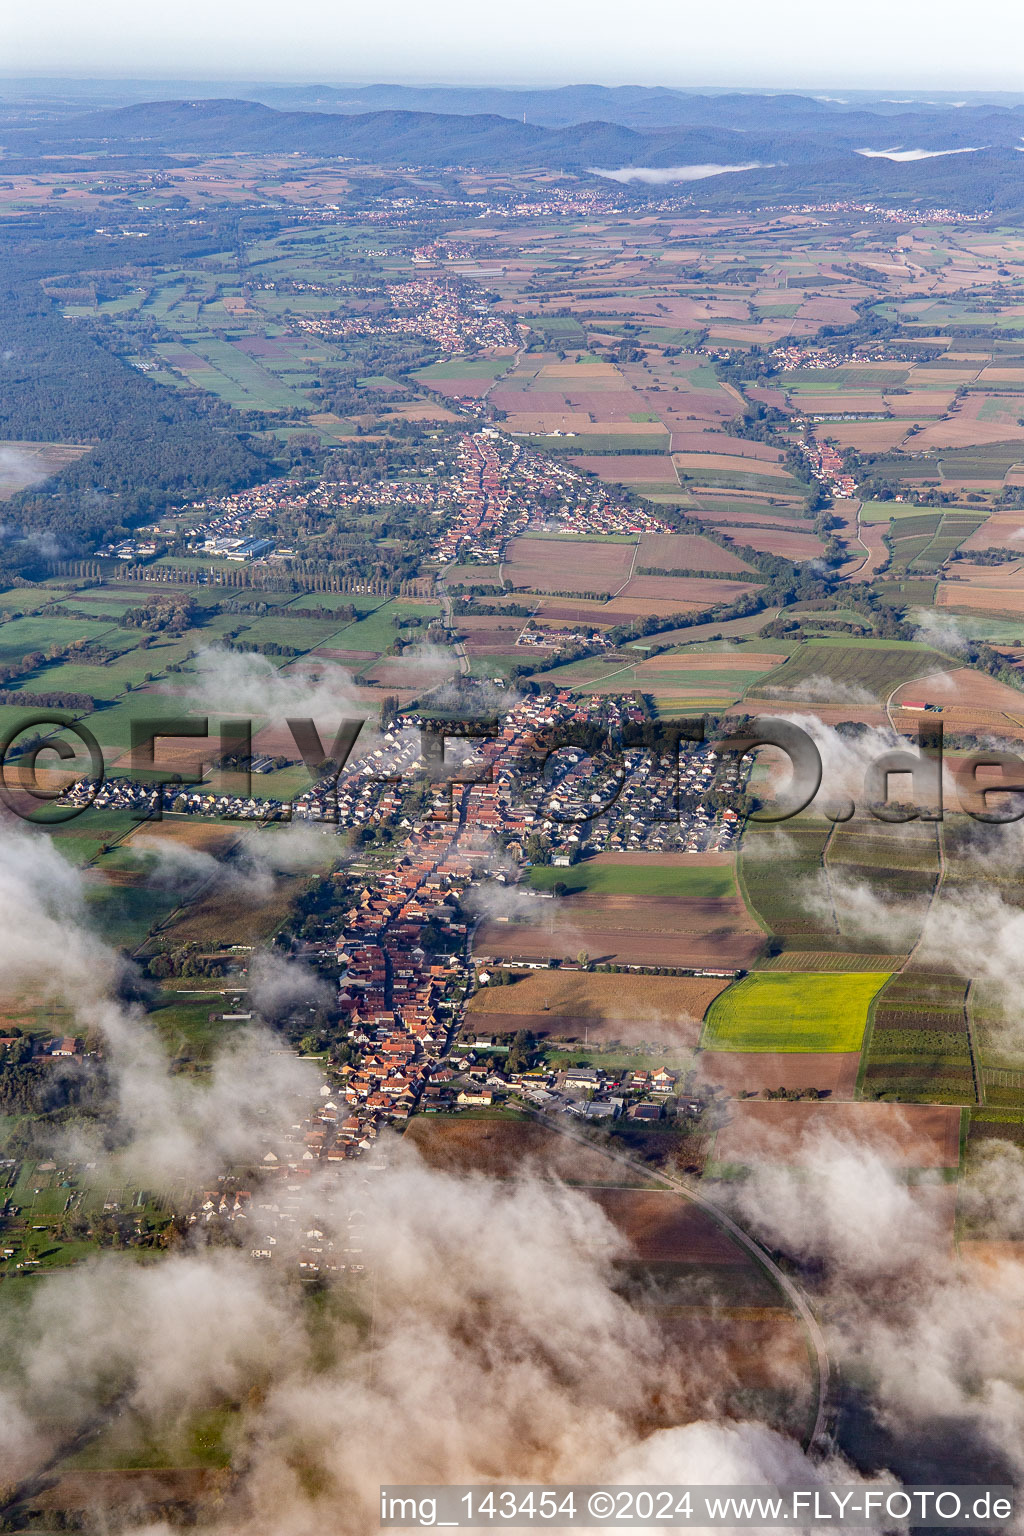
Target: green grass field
{"points": [[708, 883], [793, 1011], [37, 633], [608, 443], [81, 839], [738, 480], [780, 504], [465, 368], [378, 629], [884, 511]]}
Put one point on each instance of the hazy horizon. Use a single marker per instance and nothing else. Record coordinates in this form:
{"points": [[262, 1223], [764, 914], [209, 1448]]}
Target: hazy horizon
{"points": [[920, 47], [821, 89]]}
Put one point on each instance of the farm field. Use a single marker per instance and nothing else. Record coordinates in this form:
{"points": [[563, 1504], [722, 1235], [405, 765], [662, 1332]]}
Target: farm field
{"points": [[780, 873], [736, 471], [84, 648], [703, 1293], [26, 463], [234, 922], [791, 544], [831, 1073], [829, 960], [867, 436], [991, 1015], [998, 1063], [675, 682], [985, 588], [747, 509], [579, 565], [645, 930], [565, 1004], [902, 1135], [676, 593], [896, 865], [799, 1011], [81, 840], [967, 701], [506, 1147], [648, 471], [667, 875], [885, 511], [663, 1229], [687, 552], [919, 1047], [977, 420], [923, 545], [849, 671], [997, 530], [684, 593], [684, 677]]}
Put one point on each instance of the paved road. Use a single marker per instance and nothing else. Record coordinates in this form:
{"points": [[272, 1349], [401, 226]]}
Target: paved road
{"points": [[888, 707], [867, 553], [446, 610], [513, 365]]}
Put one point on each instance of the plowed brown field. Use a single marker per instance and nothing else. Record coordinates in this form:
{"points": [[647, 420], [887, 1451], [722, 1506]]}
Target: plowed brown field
{"points": [[753, 1071], [905, 1135], [663, 1228], [639, 929]]}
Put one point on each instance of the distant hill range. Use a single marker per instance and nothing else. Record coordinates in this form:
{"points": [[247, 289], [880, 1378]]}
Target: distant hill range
{"points": [[800, 147], [631, 106]]}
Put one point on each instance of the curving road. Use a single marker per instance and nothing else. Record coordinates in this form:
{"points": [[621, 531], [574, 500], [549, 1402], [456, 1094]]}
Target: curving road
{"points": [[446, 609], [817, 1438], [867, 552]]}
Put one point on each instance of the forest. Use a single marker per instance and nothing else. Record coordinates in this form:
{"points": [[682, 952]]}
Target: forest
{"points": [[153, 446]]}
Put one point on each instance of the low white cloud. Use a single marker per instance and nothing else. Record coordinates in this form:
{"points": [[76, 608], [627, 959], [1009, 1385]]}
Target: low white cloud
{"points": [[167, 1129], [941, 631], [244, 683], [918, 154], [661, 175]]}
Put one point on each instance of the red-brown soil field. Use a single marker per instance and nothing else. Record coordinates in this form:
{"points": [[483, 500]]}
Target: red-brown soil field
{"points": [[752, 1071], [687, 551], [905, 1135], [663, 1228], [683, 589], [568, 1004], [568, 565], [639, 929], [783, 541], [1002, 529], [505, 1148]]}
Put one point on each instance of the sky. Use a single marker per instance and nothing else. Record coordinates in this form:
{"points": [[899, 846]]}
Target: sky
{"points": [[917, 44]]}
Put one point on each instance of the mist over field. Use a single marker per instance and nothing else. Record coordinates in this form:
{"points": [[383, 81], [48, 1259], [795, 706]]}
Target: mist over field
{"points": [[461, 1359]]}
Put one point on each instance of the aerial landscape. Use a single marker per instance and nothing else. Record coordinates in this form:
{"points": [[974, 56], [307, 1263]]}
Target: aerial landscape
{"points": [[512, 771]]}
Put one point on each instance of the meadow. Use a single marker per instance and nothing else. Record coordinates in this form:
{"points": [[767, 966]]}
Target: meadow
{"points": [[646, 876]]}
